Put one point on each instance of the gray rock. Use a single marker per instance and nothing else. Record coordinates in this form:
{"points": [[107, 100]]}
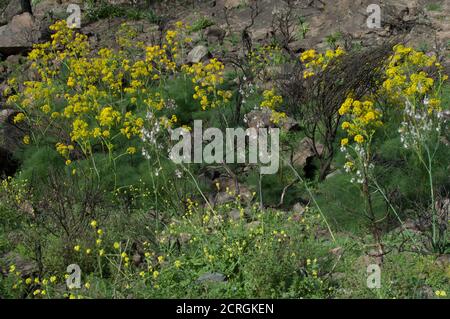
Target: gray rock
{"points": [[262, 119], [305, 151], [298, 208], [253, 225], [215, 35], [19, 35], [234, 214], [24, 266], [12, 9], [212, 278], [198, 54]]}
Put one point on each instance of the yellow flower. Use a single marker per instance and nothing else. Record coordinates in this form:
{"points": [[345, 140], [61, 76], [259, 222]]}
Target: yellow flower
{"points": [[101, 252], [155, 274], [26, 139], [100, 232], [345, 125], [88, 251], [160, 259], [131, 150], [53, 279], [68, 162], [70, 82], [177, 264], [77, 248], [28, 281], [116, 245], [359, 139], [94, 224], [19, 118], [344, 142], [87, 285]]}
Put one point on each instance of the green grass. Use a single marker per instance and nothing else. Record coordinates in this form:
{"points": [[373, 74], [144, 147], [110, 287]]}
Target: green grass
{"points": [[201, 24], [434, 6]]}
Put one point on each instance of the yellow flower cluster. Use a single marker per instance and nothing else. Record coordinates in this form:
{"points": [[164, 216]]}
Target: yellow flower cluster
{"points": [[406, 76], [316, 62], [207, 78], [272, 101], [362, 120], [97, 97]]}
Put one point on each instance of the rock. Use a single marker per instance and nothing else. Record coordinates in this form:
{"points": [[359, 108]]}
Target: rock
{"points": [[10, 134], [198, 54], [305, 151], [426, 292], [253, 225], [24, 266], [214, 277], [184, 238], [233, 4], [337, 251], [262, 119], [235, 215], [337, 277], [215, 35], [443, 261], [333, 174], [19, 35], [12, 9], [298, 209], [137, 259], [228, 191], [223, 198], [259, 119]]}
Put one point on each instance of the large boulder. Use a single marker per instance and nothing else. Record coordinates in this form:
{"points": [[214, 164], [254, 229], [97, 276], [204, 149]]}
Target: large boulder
{"points": [[19, 35], [11, 9]]}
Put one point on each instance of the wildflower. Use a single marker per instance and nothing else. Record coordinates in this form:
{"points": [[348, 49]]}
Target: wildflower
{"points": [[87, 285], [28, 281], [88, 251], [101, 252], [359, 139], [131, 150], [116, 245], [344, 142], [19, 118], [177, 264], [53, 279], [26, 139], [100, 232], [155, 274], [77, 248], [12, 268], [93, 224]]}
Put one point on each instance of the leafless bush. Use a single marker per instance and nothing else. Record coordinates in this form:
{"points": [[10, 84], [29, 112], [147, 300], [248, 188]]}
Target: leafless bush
{"points": [[315, 101]]}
